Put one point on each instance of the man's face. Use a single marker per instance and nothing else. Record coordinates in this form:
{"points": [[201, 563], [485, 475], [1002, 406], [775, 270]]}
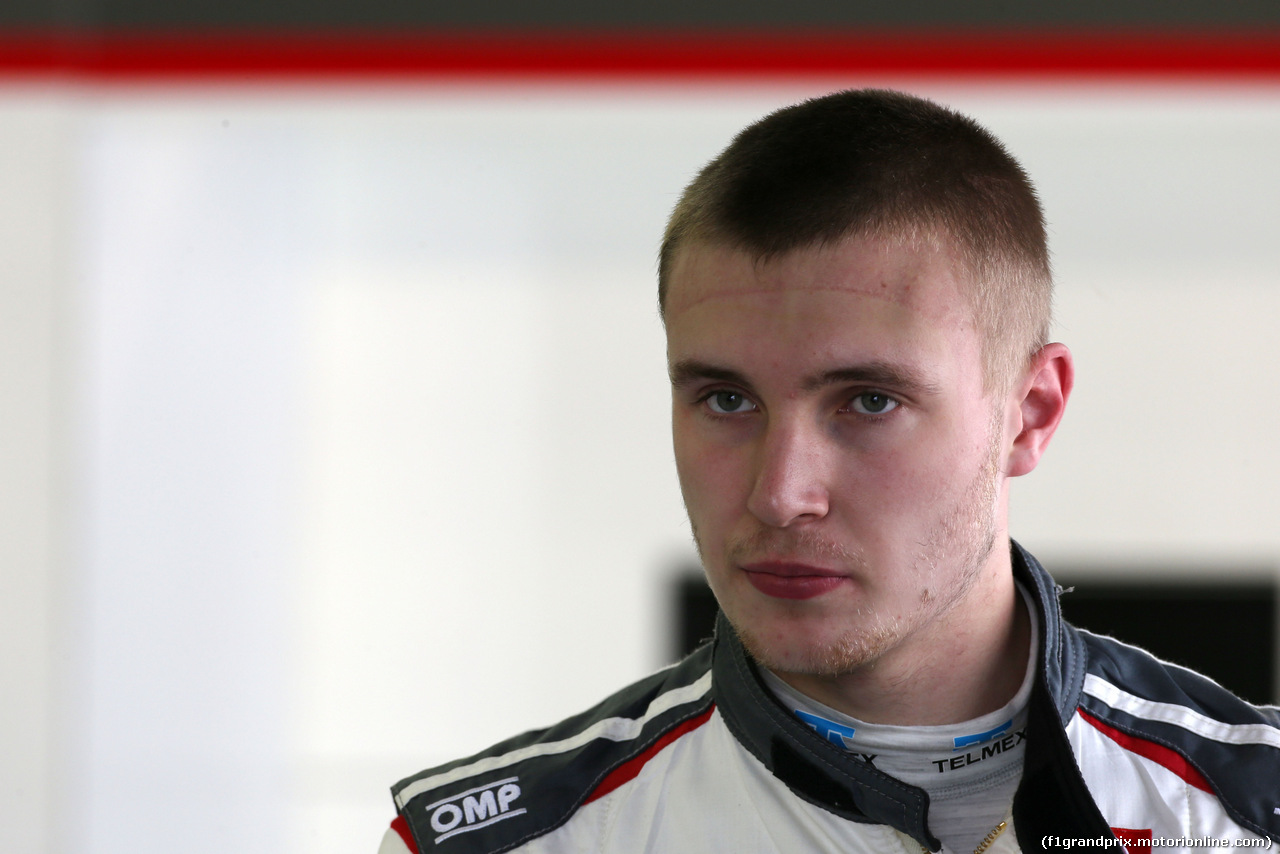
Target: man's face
{"points": [[837, 452]]}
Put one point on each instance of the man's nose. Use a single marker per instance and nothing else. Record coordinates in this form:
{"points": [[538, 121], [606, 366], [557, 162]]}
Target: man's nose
{"points": [[791, 477]]}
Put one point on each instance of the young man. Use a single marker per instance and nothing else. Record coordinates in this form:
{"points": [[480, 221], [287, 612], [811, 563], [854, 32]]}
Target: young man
{"points": [[856, 297]]}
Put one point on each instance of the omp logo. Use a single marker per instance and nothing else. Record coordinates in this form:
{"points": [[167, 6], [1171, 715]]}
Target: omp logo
{"points": [[475, 808]]}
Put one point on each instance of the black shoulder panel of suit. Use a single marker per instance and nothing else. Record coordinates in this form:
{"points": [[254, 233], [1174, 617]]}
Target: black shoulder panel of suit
{"points": [[529, 785], [1234, 745], [1062, 653], [1052, 798]]}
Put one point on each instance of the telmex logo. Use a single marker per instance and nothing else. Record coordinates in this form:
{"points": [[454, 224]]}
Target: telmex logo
{"points": [[475, 808]]}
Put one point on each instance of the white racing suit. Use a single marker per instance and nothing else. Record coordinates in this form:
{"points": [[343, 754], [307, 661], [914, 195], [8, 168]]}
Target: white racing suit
{"points": [[1124, 752]]}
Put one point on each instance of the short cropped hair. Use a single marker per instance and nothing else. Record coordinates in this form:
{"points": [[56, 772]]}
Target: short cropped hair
{"points": [[878, 163]]}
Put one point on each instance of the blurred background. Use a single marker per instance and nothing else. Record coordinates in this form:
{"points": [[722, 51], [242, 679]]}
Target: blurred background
{"points": [[334, 436]]}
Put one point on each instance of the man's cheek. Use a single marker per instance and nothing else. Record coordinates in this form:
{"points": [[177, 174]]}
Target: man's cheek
{"points": [[709, 475], [900, 481]]}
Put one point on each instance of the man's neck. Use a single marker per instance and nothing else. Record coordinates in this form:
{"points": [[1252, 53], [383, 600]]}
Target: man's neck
{"points": [[968, 663]]}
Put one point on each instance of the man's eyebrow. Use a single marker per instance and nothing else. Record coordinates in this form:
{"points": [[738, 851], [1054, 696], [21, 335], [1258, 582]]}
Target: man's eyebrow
{"points": [[886, 374], [688, 371]]}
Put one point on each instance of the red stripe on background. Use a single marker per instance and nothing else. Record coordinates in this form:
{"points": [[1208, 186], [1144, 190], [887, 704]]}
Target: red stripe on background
{"points": [[627, 771], [257, 55], [1157, 753], [400, 826]]}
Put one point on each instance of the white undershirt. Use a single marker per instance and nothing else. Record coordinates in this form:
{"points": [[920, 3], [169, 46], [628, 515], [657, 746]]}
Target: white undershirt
{"points": [[969, 769]]}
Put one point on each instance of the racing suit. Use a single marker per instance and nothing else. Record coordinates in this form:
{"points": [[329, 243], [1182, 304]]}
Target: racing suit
{"points": [[1122, 750]]}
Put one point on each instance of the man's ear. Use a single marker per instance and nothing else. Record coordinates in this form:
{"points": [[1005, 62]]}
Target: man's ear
{"points": [[1041, 400]]}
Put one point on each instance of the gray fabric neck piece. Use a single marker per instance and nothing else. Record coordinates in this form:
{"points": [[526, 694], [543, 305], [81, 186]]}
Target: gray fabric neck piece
{"points": [[970, 769]]}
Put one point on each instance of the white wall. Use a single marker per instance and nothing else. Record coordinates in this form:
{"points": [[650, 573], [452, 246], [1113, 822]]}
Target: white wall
{"points": [[35, 167], [366, 463]]}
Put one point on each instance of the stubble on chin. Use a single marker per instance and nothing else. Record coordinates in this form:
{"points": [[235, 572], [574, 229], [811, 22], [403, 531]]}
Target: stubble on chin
{"points": [[864, 640]]}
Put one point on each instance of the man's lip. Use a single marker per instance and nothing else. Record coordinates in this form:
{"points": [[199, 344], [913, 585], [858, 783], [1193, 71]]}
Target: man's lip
{"points": [[787, 580], [791, 569]]}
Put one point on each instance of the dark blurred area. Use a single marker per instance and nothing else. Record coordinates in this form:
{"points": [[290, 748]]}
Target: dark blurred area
{"points": [[658, 14], [1223, 629]]}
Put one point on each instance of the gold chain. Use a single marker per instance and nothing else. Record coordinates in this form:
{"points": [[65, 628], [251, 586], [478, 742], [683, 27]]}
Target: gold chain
{"points": [[991, 837], [984, 844]]}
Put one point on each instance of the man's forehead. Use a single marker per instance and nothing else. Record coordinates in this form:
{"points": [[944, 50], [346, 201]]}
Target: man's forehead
{"points": [[863, 309], [921, 275]]}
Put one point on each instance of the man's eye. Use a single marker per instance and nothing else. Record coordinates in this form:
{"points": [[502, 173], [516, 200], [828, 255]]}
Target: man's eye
{"points": [[873, 403], [729, 402]]}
